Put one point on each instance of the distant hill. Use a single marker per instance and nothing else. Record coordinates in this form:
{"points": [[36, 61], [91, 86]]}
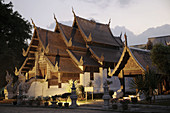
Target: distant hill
{"points": [[143, 37]]}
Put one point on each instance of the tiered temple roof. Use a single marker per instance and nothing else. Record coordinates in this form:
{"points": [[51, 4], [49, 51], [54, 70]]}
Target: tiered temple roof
{"points": [[133, 61], [87, 43]]}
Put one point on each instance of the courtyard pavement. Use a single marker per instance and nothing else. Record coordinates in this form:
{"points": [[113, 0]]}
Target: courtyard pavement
{"points": [[88, 107]]}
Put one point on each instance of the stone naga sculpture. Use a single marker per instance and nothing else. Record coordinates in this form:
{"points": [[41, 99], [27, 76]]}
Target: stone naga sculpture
{"points": [[9, 86]]}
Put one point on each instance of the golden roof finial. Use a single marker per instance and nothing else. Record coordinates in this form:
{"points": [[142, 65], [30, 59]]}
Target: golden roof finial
{"points": [[121, 35], [125, 39], [73, 11], [33, 23], [55, 18], [109, 22]]}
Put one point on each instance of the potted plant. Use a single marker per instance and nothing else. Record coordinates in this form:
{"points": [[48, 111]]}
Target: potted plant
{"points": [[15, 100], [65, 96], [114, 103], [31, 100], [125, 103], [54, 101], [47, 98], [39, 100], [134, 100], [59, 102]]}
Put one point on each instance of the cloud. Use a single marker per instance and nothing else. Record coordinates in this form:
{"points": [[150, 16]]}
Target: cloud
{"points": [[99, 3], [124, 3]]}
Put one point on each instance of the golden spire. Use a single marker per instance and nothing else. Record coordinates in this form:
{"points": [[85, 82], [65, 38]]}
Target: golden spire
{"points": [[109, 22], [55, 18], [125, 39], [33, 23], [73, 11]]}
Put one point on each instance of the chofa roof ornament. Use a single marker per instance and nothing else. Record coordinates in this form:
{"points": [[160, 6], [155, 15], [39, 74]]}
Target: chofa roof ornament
{"points": [[73, 11], [125, 36], [33, 23], [109, 22]]}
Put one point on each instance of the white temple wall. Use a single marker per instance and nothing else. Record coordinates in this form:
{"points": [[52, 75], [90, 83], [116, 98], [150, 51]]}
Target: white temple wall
{"points": [[38, 89]]}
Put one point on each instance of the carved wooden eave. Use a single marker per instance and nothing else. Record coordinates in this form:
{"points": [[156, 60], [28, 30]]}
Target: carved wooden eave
{"points": [[17, 72], [63, 35], [25, 53], [53, 68], [80, 29], [125, 51], [99, 59], [78, 62]]}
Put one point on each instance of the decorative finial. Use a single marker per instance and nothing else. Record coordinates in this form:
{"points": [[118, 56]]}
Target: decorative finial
{"points": [[55, 18], [89, 38], [121, 35], [47, 49], [24, 52], [16, 71], [109, 22], [33, 23], [147, 68], [73, 11], [125, 40], [81, 60], [70, 42], [109, 71], [102, 57]]}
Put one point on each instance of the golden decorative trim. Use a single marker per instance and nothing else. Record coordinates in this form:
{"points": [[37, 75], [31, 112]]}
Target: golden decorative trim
{"points": [[24, 53], [70, 42], [89, 38]]}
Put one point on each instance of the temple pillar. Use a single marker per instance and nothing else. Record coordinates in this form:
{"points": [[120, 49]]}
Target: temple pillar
{"points": [[102, 78], [36, 64]]}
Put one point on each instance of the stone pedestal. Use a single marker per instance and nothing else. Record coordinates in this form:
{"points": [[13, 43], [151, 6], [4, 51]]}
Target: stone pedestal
{"points": [[106, 97], [73, 97]]}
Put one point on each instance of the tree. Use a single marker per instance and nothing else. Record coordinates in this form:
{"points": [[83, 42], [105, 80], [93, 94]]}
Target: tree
{"points": [[160, 56], [149, 45], [14, 32]]}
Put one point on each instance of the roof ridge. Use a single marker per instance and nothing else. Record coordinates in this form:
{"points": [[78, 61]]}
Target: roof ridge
{"points": [[91, 21]]}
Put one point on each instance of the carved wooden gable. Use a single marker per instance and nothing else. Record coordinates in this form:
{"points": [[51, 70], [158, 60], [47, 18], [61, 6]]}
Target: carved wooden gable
{"points": [[132, 68]]}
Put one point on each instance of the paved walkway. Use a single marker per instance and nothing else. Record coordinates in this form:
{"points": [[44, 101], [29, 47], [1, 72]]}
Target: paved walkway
{"points": [[88, 107]]}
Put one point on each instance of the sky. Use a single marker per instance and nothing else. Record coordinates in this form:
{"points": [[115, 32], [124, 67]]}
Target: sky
{"points": [[135, 15]]}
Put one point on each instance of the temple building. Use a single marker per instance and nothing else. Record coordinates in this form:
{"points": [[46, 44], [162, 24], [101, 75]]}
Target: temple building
{"points": [[84, 52], [135, 62]]}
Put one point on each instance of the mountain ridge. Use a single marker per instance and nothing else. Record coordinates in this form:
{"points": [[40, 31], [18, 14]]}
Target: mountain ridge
{"points": [[142, 38]]}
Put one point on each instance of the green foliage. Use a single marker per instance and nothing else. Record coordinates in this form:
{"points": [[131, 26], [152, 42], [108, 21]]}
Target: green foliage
{"points": [[146, 83], [14, 32], [160, 56], [81, 90]]}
